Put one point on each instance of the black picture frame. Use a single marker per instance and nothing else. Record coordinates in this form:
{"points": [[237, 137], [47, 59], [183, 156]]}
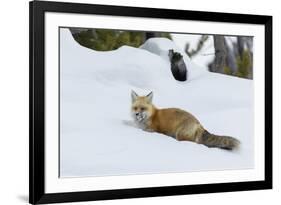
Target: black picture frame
{"points": [[37, 194]]}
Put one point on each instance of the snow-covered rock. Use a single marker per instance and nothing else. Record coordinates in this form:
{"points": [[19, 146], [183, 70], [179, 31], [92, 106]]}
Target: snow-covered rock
{"points": [[95, 102]]}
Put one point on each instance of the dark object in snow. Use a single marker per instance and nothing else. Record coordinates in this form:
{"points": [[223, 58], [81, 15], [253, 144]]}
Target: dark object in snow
{"points": [[178, 66]]}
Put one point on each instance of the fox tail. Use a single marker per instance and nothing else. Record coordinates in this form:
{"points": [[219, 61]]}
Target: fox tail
{"points": [[223, 142]]}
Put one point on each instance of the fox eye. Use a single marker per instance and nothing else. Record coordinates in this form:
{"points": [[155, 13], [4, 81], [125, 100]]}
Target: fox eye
{"points": [[135, 108], [143, 108]]}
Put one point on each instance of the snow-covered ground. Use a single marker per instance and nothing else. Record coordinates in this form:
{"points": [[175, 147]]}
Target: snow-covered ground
{"points": [[95, 139]]}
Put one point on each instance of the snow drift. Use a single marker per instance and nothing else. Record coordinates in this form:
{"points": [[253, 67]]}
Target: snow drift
{"points": [[95, 87]]}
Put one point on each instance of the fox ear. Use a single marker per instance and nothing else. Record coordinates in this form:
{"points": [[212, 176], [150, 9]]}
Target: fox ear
{"points": [[134, 96], [150, 96]]}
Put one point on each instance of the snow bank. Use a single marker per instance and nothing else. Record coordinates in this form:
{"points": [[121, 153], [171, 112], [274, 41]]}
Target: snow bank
{"points": [[161, 47], [95, 102]]}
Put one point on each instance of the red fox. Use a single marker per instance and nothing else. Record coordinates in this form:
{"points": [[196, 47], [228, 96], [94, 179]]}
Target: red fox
{"points": [[176, 123]]}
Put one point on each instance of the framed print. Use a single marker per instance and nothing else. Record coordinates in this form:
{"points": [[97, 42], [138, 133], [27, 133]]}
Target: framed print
{"points": [[139, 102]]}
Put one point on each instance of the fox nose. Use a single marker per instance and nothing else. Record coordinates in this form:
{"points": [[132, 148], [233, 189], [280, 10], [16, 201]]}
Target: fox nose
{"points": [[137, 113]]}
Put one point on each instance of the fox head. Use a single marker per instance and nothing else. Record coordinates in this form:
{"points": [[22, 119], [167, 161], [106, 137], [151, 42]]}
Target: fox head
{"points": [[142, 107]]}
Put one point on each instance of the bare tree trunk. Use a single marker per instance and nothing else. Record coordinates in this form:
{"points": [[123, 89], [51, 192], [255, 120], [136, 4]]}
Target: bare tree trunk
{"points": [[192, 52], [246, 44], [234, 60], [231, 60], [221, 54], [249, 43], [240, 44]]}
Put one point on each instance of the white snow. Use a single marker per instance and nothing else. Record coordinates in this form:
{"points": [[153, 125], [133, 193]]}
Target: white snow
{"points": [[95, 138]]}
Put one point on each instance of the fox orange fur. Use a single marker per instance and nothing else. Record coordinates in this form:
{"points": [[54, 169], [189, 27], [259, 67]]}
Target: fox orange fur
{"points": [[176, 123]]}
